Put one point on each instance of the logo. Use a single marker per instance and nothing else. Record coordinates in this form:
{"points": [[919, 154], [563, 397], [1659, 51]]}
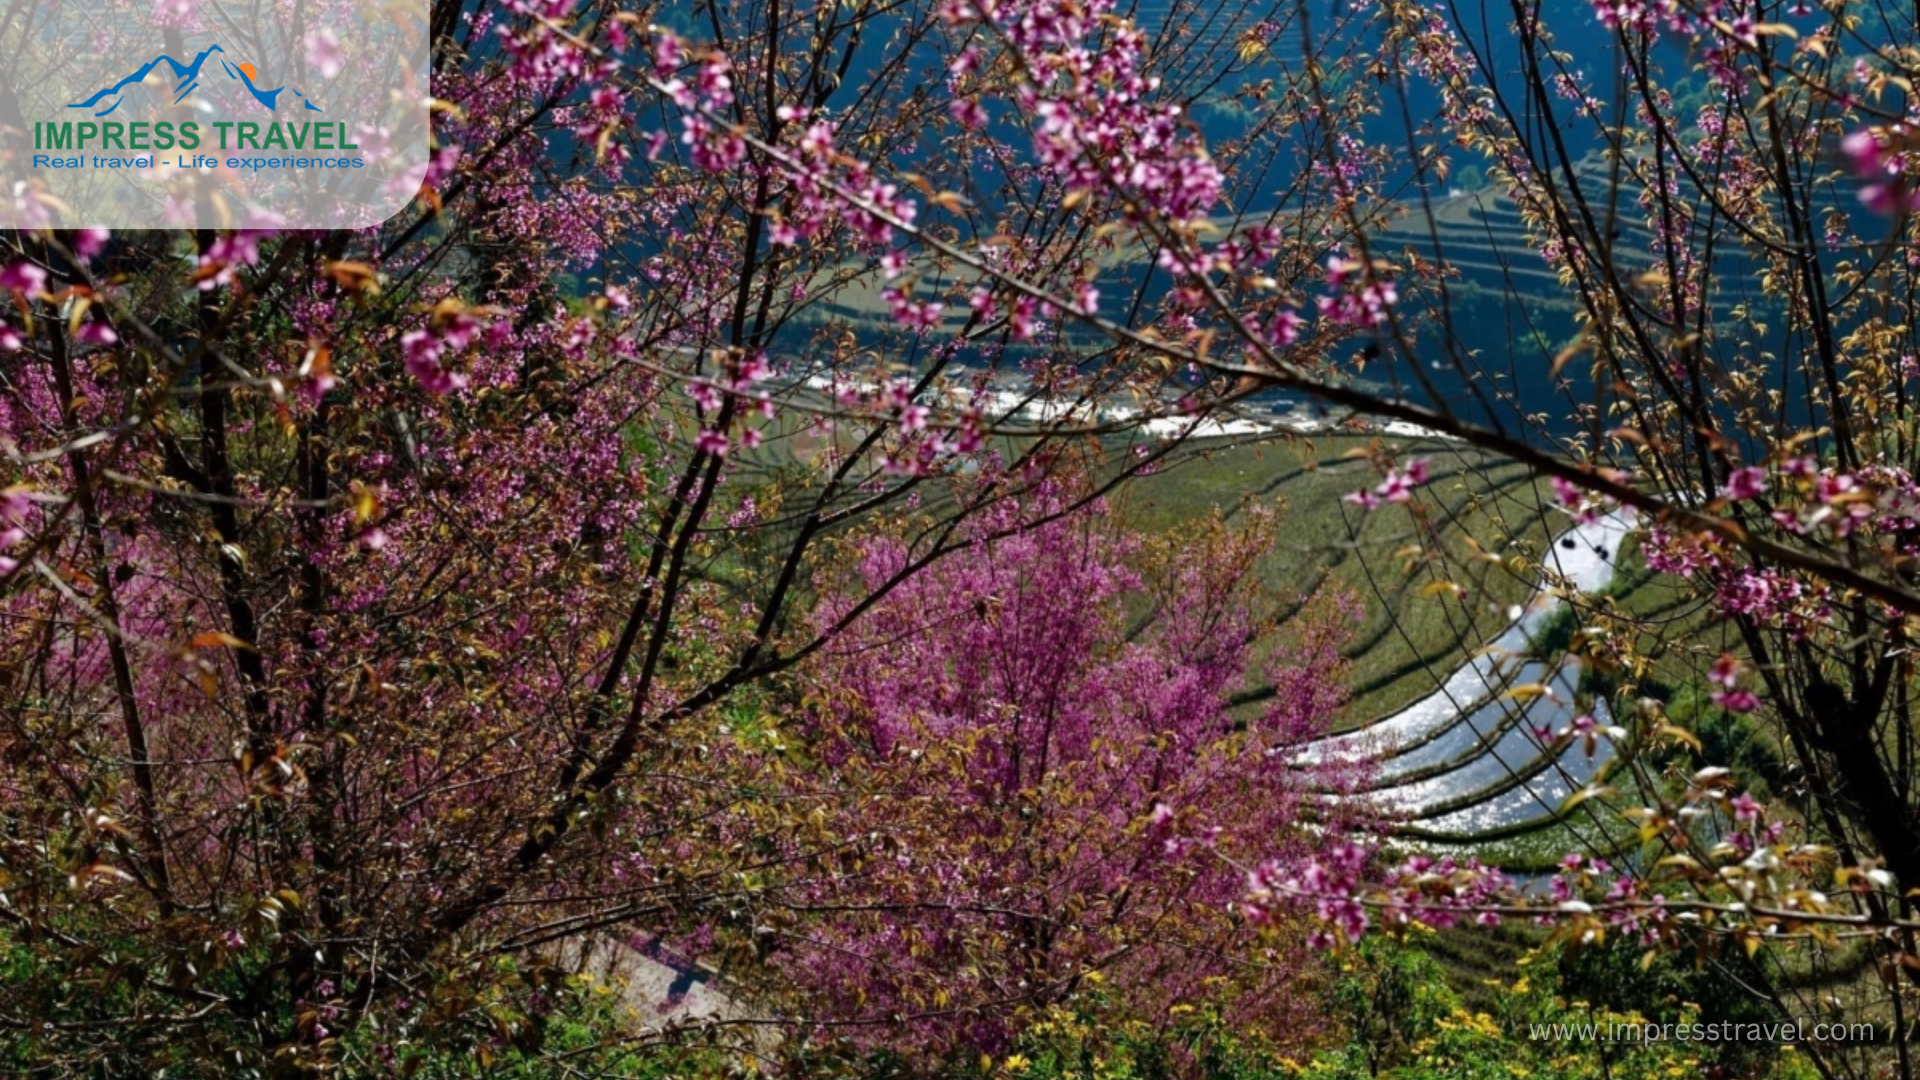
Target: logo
{"points": [[132, 115], [185, 78]]}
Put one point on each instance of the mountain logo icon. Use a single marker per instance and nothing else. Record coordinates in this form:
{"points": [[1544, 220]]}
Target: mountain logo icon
{"points": [[187, 76]]}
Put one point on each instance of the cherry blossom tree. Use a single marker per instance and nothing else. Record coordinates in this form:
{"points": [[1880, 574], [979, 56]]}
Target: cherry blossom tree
{"points": [[1737, 311], [1068, 795], [1721, 190], [378, 607], [381, 605]]}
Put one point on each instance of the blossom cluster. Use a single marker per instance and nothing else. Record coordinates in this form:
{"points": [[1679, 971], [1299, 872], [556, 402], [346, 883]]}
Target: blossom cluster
{"points": [[1344, 887], [1041, 757], [14, 506], [1098, 126], [741, 384], [426, 349], [1877, 157], [1803, 499], [1398, 487], [1357, 295], [1733, 870]]}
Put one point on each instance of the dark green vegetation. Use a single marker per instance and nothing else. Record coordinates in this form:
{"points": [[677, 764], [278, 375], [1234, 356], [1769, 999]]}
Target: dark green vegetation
{"points": [[1488, 1005]]}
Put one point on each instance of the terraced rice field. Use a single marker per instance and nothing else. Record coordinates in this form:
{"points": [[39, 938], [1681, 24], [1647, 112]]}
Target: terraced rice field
{"points": [[1461, 719], [1493, 748], [1411, 637]]}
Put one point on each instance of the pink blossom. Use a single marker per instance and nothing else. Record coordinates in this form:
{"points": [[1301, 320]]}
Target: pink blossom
{"points": [[715, 81], [1087, 299], [1746, 483], [459, 331], [1399, 485], [324, 53], [231, 250], [95, 332], [421, 351], [667, 56], [968, 113], [1396, 488], [13, 514], [440, 165], [24, 277], [173, 13], [89, 242], [1285, 327], [1863, 150]]}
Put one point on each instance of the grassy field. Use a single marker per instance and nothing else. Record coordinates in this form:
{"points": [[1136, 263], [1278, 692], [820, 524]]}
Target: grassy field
{"points": [[1417, 630], [1414, 633]]}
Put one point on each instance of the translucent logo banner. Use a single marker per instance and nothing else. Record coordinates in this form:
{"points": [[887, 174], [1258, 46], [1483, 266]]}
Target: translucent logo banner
{"points": [[167, 114]]}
